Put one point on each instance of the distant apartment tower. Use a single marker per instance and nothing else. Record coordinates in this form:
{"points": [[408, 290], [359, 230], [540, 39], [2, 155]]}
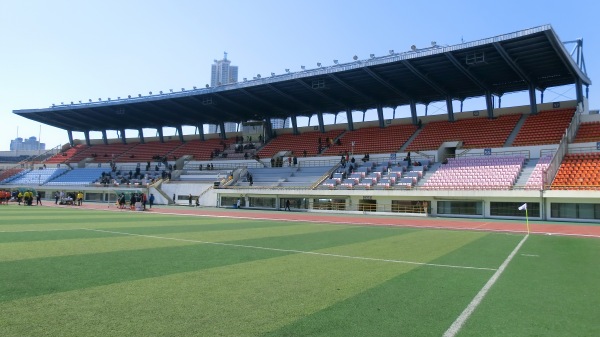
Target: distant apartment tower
{"points": [[280, 123], [222, 73], [30, 144]]}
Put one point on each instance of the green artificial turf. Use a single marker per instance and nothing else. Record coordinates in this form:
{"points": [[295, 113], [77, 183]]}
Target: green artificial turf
{"points": [[72, 272]]}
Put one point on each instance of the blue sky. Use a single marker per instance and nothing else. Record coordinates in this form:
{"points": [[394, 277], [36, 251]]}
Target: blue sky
{"points": [[62, 51]]}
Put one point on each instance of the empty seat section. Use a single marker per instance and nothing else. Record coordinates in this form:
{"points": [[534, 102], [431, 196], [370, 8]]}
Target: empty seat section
{"points": [[588, 132], [579, 171], [149, 151], [67, 155], [480, 173], [473, 132], [307, 141], [546, 127], [201, 149], [373, 140]]}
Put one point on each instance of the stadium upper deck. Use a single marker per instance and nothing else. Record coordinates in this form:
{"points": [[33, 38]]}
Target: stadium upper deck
{"points": [[527, 60]]}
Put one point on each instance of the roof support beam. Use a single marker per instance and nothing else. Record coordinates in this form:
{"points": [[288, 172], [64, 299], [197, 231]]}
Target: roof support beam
{"points": [[380, 116], [235, 104], [123, 137], [294, 120], [200, 128], [450, 109], [86, 134], [166, 112], [424, 78], [291, 98], [161, 136], [320, 93], [180, 133], [511, 63], [222, 130], [413, 112], [466, 72], [350, 120], [141, 135], [70, 134], [532, 99], [352, 89], [321, 124], [579, 90], [386, 83], [489, 104], [568, 62], [262, 101], [104, 137]]}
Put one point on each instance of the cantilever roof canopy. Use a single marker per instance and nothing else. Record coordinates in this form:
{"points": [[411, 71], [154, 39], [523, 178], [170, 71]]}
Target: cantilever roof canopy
{"points": [[497, 65]]}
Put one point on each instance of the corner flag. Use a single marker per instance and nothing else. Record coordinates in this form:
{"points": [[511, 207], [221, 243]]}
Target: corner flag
{"points": [[524, 208]]}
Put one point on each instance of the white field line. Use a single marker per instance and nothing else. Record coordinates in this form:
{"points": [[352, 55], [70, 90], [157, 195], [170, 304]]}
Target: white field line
{"points": [[292, 250], [353, 223], [42, 230], [464, 316]]}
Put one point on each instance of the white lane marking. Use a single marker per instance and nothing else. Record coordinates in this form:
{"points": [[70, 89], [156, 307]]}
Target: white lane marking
{"points": [[464, 316], [530, 255], [292, 250]]}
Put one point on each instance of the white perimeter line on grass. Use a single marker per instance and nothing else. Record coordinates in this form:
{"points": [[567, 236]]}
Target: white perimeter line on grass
{"points": [[291, 250], [464, 316]]}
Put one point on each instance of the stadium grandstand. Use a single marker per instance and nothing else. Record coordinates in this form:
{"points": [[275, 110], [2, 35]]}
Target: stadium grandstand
{"points": [[484, 163]]}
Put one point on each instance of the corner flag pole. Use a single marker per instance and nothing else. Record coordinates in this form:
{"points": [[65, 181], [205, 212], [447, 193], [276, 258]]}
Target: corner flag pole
{"points": [[524, 208], [527, 220]]}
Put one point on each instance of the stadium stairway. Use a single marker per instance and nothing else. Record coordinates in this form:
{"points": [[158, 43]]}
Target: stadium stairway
{"points": [[515, 131], [410, 139], [430, 171], [526, 171]]}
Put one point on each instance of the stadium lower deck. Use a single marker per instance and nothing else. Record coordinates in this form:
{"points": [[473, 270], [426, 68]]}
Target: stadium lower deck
{"points": [[472, 167]]}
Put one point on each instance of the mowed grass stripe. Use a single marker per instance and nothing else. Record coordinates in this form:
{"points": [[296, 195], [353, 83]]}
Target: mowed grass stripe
{"points": [[117, 242], [34, 277], [246, 299], [423, 301], [553, 282]]}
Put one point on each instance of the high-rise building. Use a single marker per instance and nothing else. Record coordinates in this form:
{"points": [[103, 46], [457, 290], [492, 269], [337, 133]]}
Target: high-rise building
{"points": [[222, 73], [280, 123], [30, 144]]}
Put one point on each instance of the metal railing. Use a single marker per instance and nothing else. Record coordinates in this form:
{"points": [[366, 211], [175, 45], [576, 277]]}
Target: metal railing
{"points": [[563, 148]]}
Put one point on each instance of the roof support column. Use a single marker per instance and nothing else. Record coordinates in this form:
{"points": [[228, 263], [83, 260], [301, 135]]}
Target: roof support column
{"points": [[180, 133], [489, 104], [70, 134], [123, 138], [161, 137], [380, 116], [450, 109], [541, 96], [350, 120], [201, 131], [268, 128], [532, 99], [104, 137], [579, 90], [321, 124], [294, 120], [86, 133], [141, 135], [413, 112]]}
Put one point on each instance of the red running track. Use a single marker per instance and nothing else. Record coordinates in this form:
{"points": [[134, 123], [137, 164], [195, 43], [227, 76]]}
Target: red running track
{"points": [[512, 226]]}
